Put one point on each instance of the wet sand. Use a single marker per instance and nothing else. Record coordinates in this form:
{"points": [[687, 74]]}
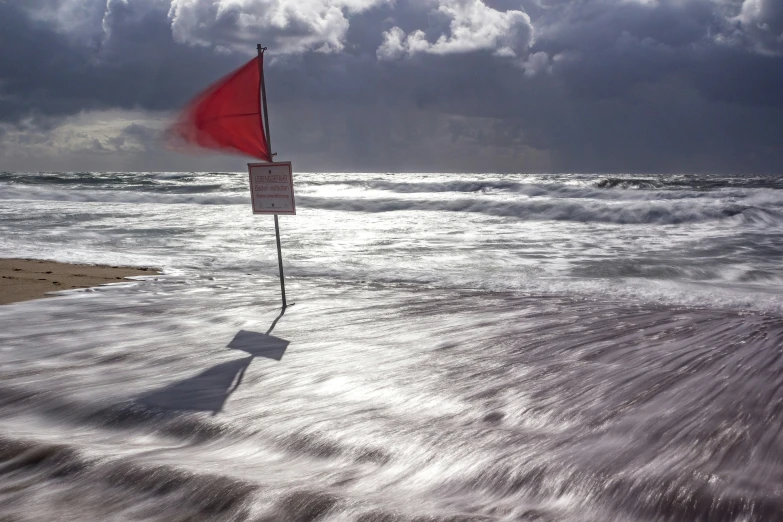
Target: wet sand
{"points": [[25, 279]]}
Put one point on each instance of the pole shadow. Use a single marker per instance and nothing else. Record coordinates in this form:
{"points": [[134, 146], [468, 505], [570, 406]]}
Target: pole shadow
{"points": [[210, 389]]}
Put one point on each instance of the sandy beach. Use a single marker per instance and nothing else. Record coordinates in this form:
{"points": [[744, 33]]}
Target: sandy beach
{"points": [[25, 279]]}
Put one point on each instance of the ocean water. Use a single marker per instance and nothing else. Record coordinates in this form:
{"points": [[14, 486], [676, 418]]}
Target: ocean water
{"points": [[463, 347]]}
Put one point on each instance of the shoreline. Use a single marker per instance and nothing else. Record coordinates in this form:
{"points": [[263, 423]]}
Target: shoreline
{"points": [[28, 279]]}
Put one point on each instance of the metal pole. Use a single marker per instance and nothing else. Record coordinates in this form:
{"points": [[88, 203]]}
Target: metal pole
{"points": [[269, 148], [263, 98], [280, 261]]}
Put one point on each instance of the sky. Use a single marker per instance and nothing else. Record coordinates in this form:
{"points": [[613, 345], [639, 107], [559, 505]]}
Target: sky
{"points": [[606, 86]]}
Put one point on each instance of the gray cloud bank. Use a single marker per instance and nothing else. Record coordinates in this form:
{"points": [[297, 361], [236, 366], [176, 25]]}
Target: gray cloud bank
{"points": [[385, 85]]}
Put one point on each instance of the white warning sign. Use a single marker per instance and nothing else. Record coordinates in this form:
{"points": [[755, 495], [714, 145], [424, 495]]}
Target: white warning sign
{"points": [[272, 188]]}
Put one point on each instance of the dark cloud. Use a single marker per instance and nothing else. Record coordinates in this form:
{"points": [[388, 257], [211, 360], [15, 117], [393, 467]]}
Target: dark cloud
{"points": [[606, 50], [654, 86], [44, 71]]}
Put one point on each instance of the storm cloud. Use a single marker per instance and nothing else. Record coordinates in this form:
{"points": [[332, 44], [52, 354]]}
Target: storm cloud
{"points": [[385, 85]]}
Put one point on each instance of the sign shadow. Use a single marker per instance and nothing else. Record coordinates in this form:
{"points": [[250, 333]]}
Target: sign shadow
{"points": [[209, 390]]}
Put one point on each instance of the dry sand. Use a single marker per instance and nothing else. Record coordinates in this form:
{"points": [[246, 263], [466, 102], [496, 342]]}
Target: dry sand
{"points": [[24, 279]]}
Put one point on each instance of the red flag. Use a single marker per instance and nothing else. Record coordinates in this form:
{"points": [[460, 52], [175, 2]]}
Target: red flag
{"points": [[227, 116]]}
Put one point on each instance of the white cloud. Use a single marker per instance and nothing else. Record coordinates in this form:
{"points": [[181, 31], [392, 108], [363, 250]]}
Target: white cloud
{"points": [[296, 26], [537, 63], [108, 12], [93, 132], [761, 13], [396, 44], [762, 21], [473, 26], [289, 26]]}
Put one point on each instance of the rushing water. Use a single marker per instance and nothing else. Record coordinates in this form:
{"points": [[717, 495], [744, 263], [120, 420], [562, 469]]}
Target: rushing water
{"points": [[462, 347]]}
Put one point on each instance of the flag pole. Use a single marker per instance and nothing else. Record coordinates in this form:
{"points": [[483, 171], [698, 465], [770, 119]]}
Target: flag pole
{"points": [[269, 148]]}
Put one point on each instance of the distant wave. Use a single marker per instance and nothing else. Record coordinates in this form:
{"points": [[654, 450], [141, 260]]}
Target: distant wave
{"points": [[515, 183], [422, 182], [444, 186], [98, 178], [688, 182], [468, 186], [547, 209], [626, 183], [174, 182], [624, 189], [122, 196], [78, 178], [230, 188], [586, 210]]}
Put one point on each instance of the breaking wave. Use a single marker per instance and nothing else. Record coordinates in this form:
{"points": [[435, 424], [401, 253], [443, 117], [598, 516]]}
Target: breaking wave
{"points": [[541, 189], [577, 208], [660, 213]]}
